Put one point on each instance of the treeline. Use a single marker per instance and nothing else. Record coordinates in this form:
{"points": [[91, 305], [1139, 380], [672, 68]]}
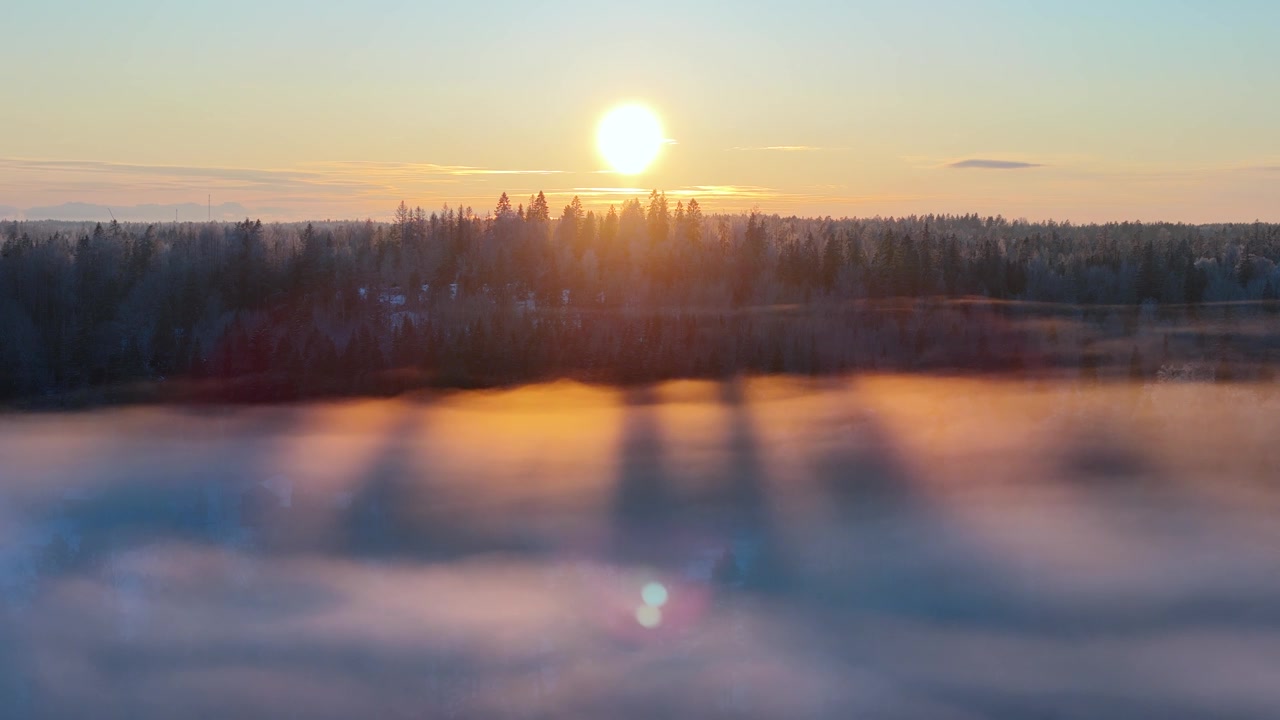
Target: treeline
{"points": [[645, 291]]}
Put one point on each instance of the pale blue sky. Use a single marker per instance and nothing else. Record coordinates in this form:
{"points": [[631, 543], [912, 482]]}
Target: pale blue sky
{"points": [[1131, 108]]}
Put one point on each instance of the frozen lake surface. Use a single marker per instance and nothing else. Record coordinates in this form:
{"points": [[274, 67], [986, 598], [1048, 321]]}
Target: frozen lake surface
{"points": [[881, 547]]}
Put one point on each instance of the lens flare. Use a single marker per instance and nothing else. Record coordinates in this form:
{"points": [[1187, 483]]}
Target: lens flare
{"points": [[654, 594], [648, 616]]}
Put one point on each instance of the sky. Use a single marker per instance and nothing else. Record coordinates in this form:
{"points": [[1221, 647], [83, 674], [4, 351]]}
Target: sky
{"points": [[1089, 110]]}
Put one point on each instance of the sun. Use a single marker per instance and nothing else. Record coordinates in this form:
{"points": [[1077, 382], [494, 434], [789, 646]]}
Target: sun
{"points": [[629, 138]]}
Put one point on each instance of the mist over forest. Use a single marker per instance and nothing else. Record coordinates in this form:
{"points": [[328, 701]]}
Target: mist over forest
{"points": [[646, 291]]}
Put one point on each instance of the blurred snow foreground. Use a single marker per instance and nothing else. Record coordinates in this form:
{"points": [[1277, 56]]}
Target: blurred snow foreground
{"points": [[1185, 372], [882, 546]]}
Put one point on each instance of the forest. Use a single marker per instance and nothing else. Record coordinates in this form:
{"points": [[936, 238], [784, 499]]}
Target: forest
{"points": [[642, 292]]}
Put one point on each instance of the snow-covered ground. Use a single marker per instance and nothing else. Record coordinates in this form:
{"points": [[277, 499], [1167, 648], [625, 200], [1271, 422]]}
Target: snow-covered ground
{"points": [[891, 547]]}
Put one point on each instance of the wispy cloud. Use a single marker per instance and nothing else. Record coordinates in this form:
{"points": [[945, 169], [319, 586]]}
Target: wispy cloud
{"points": [[335, 184], [345, 174], [98, 168], [785, 148], [729, 191], [987, 164], [695, 191], [88, 176], [602, 191], [423, 169]]}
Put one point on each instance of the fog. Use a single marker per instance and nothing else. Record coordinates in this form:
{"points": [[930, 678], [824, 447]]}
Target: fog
{"points": [[880, 546]]}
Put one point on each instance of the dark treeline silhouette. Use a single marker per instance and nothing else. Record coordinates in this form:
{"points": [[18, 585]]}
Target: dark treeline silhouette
{"points": [[644, 292]]}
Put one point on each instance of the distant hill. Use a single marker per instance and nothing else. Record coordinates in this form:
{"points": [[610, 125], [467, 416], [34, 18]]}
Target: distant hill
{"points": [[150, 212]]}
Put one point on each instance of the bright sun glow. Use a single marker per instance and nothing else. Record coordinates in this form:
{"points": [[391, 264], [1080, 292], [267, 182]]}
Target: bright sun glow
{"points": [[629, 138]]}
